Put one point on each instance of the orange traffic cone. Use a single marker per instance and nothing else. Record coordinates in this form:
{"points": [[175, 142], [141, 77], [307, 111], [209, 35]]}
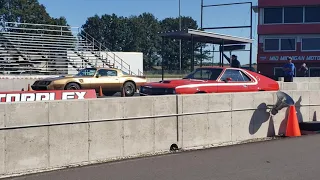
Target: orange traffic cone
{"points": [[100, 92], [29, 87], [293, 129]]}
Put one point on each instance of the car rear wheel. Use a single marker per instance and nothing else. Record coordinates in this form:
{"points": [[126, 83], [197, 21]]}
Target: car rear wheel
{"points": [[72, 86], [129, 88]]}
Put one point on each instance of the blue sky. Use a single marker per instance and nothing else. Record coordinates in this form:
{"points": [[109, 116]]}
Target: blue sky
{"points": [[77, 12]]}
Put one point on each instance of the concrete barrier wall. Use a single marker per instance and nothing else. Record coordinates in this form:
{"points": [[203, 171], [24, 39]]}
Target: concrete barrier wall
{"points": [[96, 131], [299, 86], [303, 79], [36, 136]]}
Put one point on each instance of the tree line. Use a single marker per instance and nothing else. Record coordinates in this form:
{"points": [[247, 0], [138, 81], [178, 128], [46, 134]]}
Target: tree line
{"points": [[138, 33]]}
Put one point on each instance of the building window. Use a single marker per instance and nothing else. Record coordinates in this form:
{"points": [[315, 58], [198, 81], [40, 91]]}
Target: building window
{"points": [[271, 45], [273, 15], [287, 15], [288, 44], [310, 44], [293, 15], [312, 14], [280, 44]]}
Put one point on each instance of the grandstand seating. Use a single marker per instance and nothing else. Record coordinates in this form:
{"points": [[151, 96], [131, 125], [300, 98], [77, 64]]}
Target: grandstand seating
{"points": [[49, 49]]}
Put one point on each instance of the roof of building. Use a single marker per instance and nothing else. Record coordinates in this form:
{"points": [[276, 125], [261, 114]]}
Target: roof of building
{"points": [[206, 37]]}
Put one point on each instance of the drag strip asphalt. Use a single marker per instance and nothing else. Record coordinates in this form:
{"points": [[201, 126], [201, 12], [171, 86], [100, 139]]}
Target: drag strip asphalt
{"points": [[284, 159]]}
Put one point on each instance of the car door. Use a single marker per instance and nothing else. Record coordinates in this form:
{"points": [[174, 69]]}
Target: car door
{"points": [[251, 86], [232, 80], [209, 77], [85, 77], [107, 79]]}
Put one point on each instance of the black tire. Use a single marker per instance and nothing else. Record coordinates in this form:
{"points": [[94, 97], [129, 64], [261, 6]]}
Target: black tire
{"points": [[72, 86], [129, 89], [109, 93], [310, 126]]}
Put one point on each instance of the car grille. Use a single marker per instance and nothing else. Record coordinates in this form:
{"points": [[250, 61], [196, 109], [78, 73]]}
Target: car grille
{"points": [[41, 83], [156, 91], [37, 88]]}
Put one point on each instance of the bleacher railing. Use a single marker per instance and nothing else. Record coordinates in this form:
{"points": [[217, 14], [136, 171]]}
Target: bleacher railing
{"points": [[51, 49]]}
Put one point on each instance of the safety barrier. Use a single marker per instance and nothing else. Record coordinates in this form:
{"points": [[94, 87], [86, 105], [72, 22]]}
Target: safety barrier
{"points": [[303, 79], [38, 136], [299, 86]]}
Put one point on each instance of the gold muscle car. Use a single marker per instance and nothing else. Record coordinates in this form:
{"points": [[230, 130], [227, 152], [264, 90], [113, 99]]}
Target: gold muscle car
{"points": [[111, 81]]}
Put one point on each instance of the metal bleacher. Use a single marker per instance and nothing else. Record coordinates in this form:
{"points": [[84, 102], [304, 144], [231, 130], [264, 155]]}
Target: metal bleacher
{"points": [[36, 49]]}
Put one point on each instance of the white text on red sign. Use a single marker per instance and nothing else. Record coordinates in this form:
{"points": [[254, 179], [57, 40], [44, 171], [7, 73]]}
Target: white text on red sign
{"points": [[23, 97]]}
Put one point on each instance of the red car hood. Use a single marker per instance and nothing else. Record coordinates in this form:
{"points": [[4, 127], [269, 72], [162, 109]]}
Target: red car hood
{"points": [[175, 83]]}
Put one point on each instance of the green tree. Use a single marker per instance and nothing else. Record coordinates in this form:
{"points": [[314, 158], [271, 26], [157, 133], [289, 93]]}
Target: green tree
{"points": [[141, 34], [129, 34], [110, 30], [27, 11], [145, 38], [93, 28], [170, 52]]}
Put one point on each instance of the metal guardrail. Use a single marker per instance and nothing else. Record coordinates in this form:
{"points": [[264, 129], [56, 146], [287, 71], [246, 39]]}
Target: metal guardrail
{"points": [[101, 47], [23, 43]]}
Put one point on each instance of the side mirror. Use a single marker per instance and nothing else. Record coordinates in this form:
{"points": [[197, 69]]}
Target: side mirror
{"points": [[98, 75]]}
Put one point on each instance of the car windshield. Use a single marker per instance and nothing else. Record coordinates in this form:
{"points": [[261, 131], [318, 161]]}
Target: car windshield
{"points": [[205, 74], [124, 73], [87, 72]]}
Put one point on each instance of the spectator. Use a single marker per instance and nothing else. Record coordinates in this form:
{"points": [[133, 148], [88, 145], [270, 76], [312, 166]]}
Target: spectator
{"points": [[289, 69], [304, 69], [235, 63]]}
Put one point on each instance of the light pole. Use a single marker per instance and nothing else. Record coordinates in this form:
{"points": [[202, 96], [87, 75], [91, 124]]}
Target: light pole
{"points": [[180, 55]]}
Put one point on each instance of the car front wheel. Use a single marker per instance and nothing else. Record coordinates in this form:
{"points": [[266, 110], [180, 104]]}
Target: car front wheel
{"points": [[72, 86]]}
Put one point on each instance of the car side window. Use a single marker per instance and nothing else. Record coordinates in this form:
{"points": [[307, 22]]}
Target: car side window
{"points": [[202, 74], [235, 75], [245, 77], [106, 72]]}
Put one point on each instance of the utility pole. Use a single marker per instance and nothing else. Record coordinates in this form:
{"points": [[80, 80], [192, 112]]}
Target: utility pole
{"points": [[180, 53]]}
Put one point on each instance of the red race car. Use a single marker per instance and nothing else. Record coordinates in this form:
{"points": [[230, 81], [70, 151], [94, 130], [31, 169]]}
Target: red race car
{"points": [[212, 80]]}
